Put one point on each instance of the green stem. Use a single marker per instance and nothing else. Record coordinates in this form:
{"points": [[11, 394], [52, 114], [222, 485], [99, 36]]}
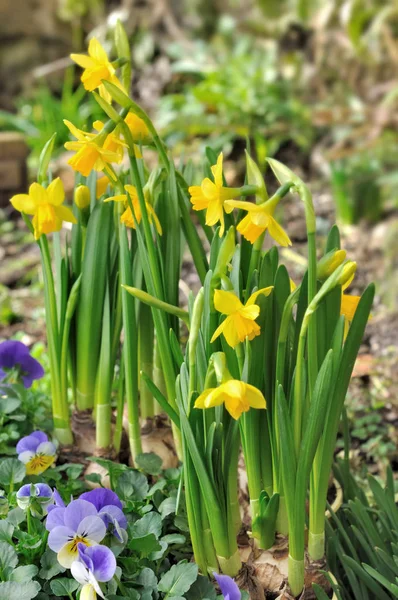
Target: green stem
{"points": [[146, 344], [117, 435], [29, 521]]}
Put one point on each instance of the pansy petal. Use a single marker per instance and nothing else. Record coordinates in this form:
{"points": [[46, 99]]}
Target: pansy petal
{"points": [[111, 514], [228, 587], [68, 553], [92, 527], [85, 558], [88, 593], [55, 518], [59, 536], [44, 490], [31, 442], [26, 456], [101, 497], [79, 572], [24, 203], [76, 511], [103, 560], [46, 448]]}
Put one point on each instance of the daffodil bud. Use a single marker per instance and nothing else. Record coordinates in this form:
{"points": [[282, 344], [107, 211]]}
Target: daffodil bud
{"points": [[347, 274], [225, 253], [329, 263], [82, 197], [255, 177]]}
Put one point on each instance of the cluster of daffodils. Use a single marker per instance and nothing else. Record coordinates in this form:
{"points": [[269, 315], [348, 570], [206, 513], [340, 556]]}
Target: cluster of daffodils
{"points": [[81, 532]]}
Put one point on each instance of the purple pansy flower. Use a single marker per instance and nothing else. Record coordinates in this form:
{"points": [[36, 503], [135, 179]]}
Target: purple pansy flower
{"points": [[95, 564], [15, 355], [37, 496], [76, 523], [36, 452], [109, 508], [228, 587]]}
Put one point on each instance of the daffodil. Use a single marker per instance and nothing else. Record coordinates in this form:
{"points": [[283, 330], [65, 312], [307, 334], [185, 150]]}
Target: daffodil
{"points": [[241, 319], [138, 129], [91, 151], [127, 218], [237, 396], [97, 68], [45, 204], [212, 196], [101, 186], [349, 305], [259, 218]]}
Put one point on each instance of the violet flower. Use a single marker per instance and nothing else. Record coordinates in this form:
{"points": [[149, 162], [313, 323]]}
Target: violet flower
{"points": [[35, 496], [228, 587], [95, 564], [15, 360], [76, 523], [36, 452], [109, 508]]}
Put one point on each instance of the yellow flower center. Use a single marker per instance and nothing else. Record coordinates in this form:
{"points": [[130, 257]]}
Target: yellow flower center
{"points": [[38, 464]]}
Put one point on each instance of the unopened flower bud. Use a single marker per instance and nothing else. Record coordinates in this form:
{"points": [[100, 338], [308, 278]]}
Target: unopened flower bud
{"points": [[329, 263], [255, 177], [347, 274], [82, 197]]}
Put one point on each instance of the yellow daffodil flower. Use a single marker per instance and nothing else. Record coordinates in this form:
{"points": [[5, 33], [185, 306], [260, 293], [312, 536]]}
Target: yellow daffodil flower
{"points": [[138, 128], [127, 217], [259, 218], [349, 305], [241, 319], [237, 396], [45, 204], [97, 68], [212, 196], [89, 153], [101, 186]]}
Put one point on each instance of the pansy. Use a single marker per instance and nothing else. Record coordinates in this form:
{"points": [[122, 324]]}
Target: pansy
{"points": [[45, 204], [36, 452], [97, 68], [96, 564], [211, 195], [127, 217], [110, 509], [237, 396], [90, 151], [241, 319], [36, 496], [76, 523], [260, 218], [17, 363], [228, 587]]}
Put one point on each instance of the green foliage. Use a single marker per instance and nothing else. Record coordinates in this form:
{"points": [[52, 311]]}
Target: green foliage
{"points": [[234, 89], [362, 540]]}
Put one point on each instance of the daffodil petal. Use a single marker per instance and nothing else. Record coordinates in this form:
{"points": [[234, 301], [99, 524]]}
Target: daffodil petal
{"points": [[65, 214], [217, 171], [349, 305], [200, 400], [254, 397], [226, 302], [84, 61], [278, 233], [56, 192], [265, 291], [24, 203]]}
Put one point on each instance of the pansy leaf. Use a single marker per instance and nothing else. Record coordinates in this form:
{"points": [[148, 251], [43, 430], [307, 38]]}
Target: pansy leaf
{"points": [[132, 485], [202, 589], [174, 538], [168, 507], [24, 573], [147, 579], [16, 516], [11, 590], [149, 462], [6, 531], [50, 566], [8, 557], [160, 552], [179, 579], [150, 523], [145, 545], [11, 471], [63, 586], [8, 405]]}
